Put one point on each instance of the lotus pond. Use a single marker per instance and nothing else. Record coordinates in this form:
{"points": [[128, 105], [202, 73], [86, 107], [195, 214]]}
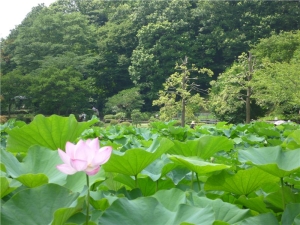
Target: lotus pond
{"points": [[219, 174]]}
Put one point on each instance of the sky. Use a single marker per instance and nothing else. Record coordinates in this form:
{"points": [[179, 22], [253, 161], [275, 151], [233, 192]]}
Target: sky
{"points": [[12, 13]]}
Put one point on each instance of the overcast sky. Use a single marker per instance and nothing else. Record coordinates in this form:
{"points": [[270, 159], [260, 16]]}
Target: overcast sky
{"points": [[12, 12]]}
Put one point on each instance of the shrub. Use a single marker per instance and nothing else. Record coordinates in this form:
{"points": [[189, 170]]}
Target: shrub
{"points": [[114, 122], [126, 123], [120, 116]]}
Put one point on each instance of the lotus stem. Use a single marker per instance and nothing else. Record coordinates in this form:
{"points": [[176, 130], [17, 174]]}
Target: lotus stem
{"points": [[87, 200], [198, 181], [282, 192], [136, 181], [192, 181]]}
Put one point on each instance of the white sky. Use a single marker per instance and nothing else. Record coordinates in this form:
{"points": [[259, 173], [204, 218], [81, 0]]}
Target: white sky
{"points": [[12, 13]]}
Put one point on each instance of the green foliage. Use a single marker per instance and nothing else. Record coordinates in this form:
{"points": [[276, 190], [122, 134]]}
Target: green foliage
{"points": [[136, 117], [63, 101], [113, 122], [177, 89], [125, 101], [214, 174], [277, 82]]}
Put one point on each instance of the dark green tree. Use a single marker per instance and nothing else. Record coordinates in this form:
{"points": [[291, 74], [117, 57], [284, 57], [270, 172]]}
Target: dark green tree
{"points": [[125, 101]]}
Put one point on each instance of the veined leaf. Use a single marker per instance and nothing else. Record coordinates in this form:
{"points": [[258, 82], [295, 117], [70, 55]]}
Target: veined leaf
{"points": [[241, 183], [149, 211], [204, 147], [272, 160], [27, 206], [133, 161], [52, 132], [197, 165]]}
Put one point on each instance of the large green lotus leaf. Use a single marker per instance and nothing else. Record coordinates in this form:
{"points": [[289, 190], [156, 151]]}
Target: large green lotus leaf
{"points": [[175, 172], [224, 211], [148, 211], [290, 213], [145, 184], [269, 132], [33, 180], [275, 199], [241, 183], [272, 159], [154, 170], [165, 167], [252, 139], [146, 133], [293, 140], [257, 204], [204, 147], [164, 197], [7, 186], [52, 132], [149, 187], [133, 161], [12, 166], [77, 181], [197, 165], [63, 214], [36, 205], [39, 160], [262, 219]]}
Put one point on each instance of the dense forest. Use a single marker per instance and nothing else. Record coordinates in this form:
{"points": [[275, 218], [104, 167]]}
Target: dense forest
{"points": [[116, 56]]}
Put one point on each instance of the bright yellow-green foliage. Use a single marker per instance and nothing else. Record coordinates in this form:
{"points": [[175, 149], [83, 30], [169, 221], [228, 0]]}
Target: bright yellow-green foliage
{"points": [[178, 87]]}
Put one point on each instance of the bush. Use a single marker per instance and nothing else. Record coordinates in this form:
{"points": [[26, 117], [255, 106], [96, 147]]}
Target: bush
{"points": [[100, 124], [120, 116], [114, 122], [126, 123], [109, 116]]}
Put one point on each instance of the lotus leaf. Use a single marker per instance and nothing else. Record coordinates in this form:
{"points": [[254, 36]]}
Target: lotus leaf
{"points": [[272, 160], [52, 132]]}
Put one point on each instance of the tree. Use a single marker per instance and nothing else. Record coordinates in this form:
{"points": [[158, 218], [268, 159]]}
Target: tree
{"points": [[125, 101], [277, 82], [52, 34], [176, 95], [13, 85], [231, 93], [60, 91]]}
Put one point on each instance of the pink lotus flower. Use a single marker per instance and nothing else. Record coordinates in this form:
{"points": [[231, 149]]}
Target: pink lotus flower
{"points": [[85, 156]]}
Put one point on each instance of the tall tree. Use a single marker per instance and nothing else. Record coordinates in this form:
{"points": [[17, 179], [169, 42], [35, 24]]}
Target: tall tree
{"points": [[177, 93], [230, 94]]}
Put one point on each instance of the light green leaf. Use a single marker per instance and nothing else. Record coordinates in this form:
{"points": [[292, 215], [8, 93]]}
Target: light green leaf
{"points": [[33, 180], [272, 160], [257, 204], [275, 199], [36, 205], [149, 211], [52, 132], [133, 161], [291, 212], [224, 211], [7, 186], [63, 214], [39, 160], [197, 165], [77, 181], [204, 147], [262, 219], [242, 183]]}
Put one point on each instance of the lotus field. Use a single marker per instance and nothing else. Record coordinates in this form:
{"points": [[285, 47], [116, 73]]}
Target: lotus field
{"points": [[57, 171]]}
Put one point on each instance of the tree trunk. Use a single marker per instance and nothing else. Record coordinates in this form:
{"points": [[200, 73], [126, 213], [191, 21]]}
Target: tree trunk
{"points": [[249, 77], [183, 112]]}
